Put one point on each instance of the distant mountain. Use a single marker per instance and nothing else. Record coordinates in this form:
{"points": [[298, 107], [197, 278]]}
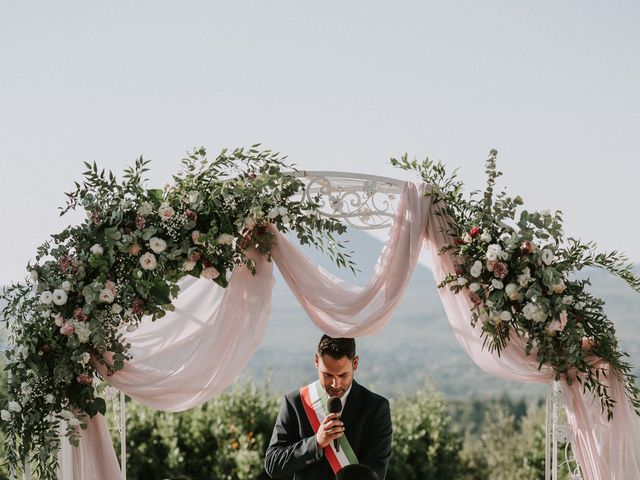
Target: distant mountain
{"points": [[417, 345]]}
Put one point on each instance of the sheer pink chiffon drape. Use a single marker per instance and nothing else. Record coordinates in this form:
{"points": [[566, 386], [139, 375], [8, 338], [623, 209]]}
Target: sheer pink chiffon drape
{"points": [[194, 353]]}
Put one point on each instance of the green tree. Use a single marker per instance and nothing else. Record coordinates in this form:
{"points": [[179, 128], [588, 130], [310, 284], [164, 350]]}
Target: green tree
{"points": [[425, 446]]}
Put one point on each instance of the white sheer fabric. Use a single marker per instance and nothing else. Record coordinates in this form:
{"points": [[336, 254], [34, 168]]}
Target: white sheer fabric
{"points": [[194, 353]]}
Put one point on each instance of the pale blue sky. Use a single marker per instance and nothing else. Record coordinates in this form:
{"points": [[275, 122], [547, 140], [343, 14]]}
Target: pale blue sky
{"points": [[335, 85]]}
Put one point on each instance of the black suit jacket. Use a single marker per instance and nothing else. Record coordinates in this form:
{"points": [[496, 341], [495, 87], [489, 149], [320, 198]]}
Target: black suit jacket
{"points": [[293, 449]]}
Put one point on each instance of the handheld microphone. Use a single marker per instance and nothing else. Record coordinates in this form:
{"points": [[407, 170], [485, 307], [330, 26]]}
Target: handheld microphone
{"points": [[334, 405]]}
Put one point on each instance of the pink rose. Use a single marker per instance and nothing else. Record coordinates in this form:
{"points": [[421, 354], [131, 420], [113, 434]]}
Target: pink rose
{"points": [[475, 298], [500, 270], [587, 343], [210, 273], [110, 285], [67, 328], [84, 379]]}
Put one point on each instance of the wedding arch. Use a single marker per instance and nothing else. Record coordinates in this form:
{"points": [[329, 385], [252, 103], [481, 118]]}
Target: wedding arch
{"points": [[213, 288]]}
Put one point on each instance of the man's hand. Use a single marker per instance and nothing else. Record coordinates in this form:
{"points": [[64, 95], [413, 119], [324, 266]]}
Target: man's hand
{"points": [[330, 429]]}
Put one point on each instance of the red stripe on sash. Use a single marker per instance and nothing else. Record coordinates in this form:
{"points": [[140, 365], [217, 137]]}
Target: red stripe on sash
{"points": [[315, 424]]}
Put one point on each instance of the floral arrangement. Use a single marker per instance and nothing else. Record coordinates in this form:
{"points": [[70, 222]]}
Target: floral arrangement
{"points": [[91, 281], [519, 273]]}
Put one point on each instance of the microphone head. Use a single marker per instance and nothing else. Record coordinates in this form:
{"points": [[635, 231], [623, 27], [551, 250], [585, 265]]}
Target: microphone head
{"points": [[334, 405]]}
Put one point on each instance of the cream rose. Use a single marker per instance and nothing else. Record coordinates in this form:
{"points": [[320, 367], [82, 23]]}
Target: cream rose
{"points": [[210, 273], [158, 245], [148, 261]]}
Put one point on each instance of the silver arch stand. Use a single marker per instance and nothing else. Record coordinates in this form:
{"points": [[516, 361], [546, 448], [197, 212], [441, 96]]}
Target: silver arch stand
{"points": [[368, 202]]}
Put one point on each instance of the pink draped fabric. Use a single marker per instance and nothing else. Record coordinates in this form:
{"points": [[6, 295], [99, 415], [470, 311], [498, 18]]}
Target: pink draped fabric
{"points": [[605, 450], [194, 353]]}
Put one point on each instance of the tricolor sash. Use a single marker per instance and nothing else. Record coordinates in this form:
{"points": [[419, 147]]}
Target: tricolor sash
{"points": [[314, 400]]}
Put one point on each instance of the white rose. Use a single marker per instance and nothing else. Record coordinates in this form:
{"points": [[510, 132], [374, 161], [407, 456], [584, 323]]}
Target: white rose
{"points": [[225, 239], [188, 265], [282, 211], [15, 407], [5, 415], [196, 237], [158, 245], [49, 398], [273, 213], [286, 220], [547, 256], [82, 331], [474, 287], [485, 237], [116, 308], [97, 249], [58, 320], [493, 251], [567, 300], [466, 238], [46, 297], [66, 285], [210, 273], [505, 316], [145, 209], [59, 296], [512, 291], [33, 276], [193, 196], [523, 280], [476, 269], [86, 357], [546, 212], [462, 281], [497, 284], [505, 237], [529, 310], [106, 296], [558, 287], [166, 212], [148, 261]]}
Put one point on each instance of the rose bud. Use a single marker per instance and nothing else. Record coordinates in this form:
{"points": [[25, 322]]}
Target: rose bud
{"points": [[587, 343], [527, 247], [190, 214], [252, 176], [474, 231], [458, 241], [45, 348], [262, 229]]}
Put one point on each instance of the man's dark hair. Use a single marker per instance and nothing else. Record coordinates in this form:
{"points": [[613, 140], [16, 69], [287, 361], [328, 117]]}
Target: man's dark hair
{"points": [[357, 471], [337, 348]]}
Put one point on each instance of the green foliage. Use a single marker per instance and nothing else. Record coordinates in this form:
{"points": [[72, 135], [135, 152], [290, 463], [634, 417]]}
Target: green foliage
{"points": [[123, 262], [224, 439], [518, 274], [424, 443]]}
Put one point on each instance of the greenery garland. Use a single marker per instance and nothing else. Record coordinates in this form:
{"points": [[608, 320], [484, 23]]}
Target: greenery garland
{"points": [[520, 274], [123, 262]]}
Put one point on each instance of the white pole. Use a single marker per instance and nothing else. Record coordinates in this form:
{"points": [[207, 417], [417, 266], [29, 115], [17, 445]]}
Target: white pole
{"points": [[123, 436], [556, 391], [547, 436]]}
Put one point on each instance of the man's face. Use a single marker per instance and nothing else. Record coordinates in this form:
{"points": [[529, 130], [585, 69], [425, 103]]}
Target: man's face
{"points": [[336, 375]]}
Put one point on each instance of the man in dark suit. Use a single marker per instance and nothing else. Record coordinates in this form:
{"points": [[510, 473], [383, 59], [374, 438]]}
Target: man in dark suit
{"points": [[308, 453]]}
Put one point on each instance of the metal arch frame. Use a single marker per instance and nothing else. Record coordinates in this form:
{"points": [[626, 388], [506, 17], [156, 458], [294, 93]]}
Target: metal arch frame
{"points": [[359, 201]]}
